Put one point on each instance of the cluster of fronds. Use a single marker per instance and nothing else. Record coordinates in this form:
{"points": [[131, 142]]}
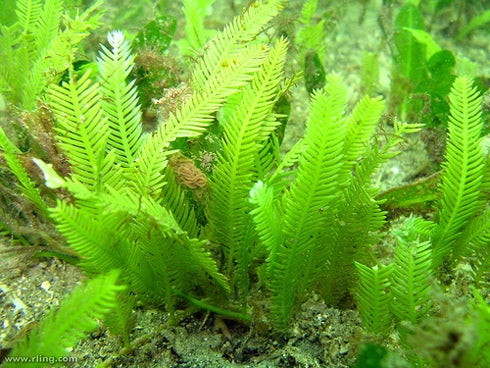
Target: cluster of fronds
{"points": [[37, 45], [309, 215], [113, 225], [129, 211], [316, 227], [461, 231], [36, 51]]}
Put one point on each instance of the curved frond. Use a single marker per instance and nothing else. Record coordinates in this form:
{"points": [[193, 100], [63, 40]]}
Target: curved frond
{"points": [[28, 187], [76, 317]]}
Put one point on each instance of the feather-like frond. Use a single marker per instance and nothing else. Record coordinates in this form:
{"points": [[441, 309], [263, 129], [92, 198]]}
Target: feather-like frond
{"points": [[36, 50], [353, 224], [28, 187], [411, 274], [54, 50], [97, 237], [87, 236], [194, 116], [375, 297], [224, 49], [463, 167], [267, 219], [161, 244], [48, 23], [356, 216], [300, 258], [246, 128], [361, 127], [120, 99], [315, 183], [474, 242], [196, 35], [174, 198], [28, 12], [7, 54]]}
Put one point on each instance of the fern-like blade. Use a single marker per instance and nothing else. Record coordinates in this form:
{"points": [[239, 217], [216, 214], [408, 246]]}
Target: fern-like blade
{"points": [[246, 129], [120, 99], [375, 297], [300, 258], [463, 167], [27, 186], [411, 273], [27, 12]]}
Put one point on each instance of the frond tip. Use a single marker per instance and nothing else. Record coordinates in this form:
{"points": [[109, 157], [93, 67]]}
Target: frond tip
{"points": [[374, 297], [116, 39]]}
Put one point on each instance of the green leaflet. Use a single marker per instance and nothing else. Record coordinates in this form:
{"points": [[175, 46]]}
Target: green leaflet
{"points": [[36, 52]]}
